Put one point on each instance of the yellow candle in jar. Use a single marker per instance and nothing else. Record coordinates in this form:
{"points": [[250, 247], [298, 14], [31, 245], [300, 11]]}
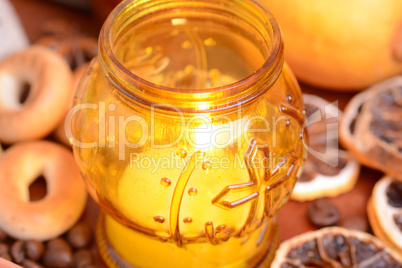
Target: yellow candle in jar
{"points": [[199, 134], [181, 197]]}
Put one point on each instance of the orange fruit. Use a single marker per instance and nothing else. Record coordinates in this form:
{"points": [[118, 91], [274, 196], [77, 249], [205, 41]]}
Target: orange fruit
{"points": [[335, 247], [342, 44]]}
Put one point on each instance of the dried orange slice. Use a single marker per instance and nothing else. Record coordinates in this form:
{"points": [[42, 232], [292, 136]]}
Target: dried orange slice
{"points": [[371, 127], [385, 212], [328, 171], [335, 247]]}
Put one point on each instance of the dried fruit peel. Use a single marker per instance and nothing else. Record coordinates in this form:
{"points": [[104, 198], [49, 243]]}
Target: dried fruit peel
{"points": [[324, 185], [381, 216], [357, 136], [283, 254]]}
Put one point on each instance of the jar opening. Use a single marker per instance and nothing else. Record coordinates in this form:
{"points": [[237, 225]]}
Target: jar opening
{"points": [[198, 55]]}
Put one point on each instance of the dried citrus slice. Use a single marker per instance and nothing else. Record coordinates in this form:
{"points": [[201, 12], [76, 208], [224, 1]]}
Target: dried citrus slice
{"points": [[335, 247], [385, 212], [328, 171], [371, 127]]}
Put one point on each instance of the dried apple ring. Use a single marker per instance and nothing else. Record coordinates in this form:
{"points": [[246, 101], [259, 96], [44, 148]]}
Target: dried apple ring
{"points": [[385, 212], [335, 247], [371, 127], [329, 171]]}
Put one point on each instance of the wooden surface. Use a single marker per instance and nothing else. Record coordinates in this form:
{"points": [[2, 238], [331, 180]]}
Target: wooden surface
{"points": [[292, 217]]}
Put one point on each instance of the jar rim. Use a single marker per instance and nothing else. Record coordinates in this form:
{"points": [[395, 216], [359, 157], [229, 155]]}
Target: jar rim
{"points": [[271, 67]]}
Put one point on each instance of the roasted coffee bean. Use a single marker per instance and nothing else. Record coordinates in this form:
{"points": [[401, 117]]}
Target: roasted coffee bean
{"points": [[80, 235], [3, 236], [357, 223], [34, 249], [82, 258], [58, 243], [18, 251], [3, 248], [58, 254], [31, 264], [323, 213]]}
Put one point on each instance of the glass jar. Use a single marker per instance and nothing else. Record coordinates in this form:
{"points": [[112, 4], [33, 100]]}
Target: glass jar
{"points": [[188, 130]]}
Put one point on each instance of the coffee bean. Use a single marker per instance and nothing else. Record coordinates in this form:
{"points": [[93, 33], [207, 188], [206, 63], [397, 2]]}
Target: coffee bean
{"points": [[3, 236], [18, 251], [58, 254], [31, 264], [323, 213], [82, 258], [58, 243], [34, 249], [357, 223], [80, 235], [3, 248]]}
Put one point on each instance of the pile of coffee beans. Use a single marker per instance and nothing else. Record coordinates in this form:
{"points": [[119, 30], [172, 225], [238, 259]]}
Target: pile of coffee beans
{"points": [[72, 250]]}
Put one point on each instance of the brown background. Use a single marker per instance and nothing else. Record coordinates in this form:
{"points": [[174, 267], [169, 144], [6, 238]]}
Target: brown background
{"points": [[292, 217]]}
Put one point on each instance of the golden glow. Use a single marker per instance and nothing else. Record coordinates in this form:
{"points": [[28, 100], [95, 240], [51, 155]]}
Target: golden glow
{"points": [[218, 135], [179, 21]]}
